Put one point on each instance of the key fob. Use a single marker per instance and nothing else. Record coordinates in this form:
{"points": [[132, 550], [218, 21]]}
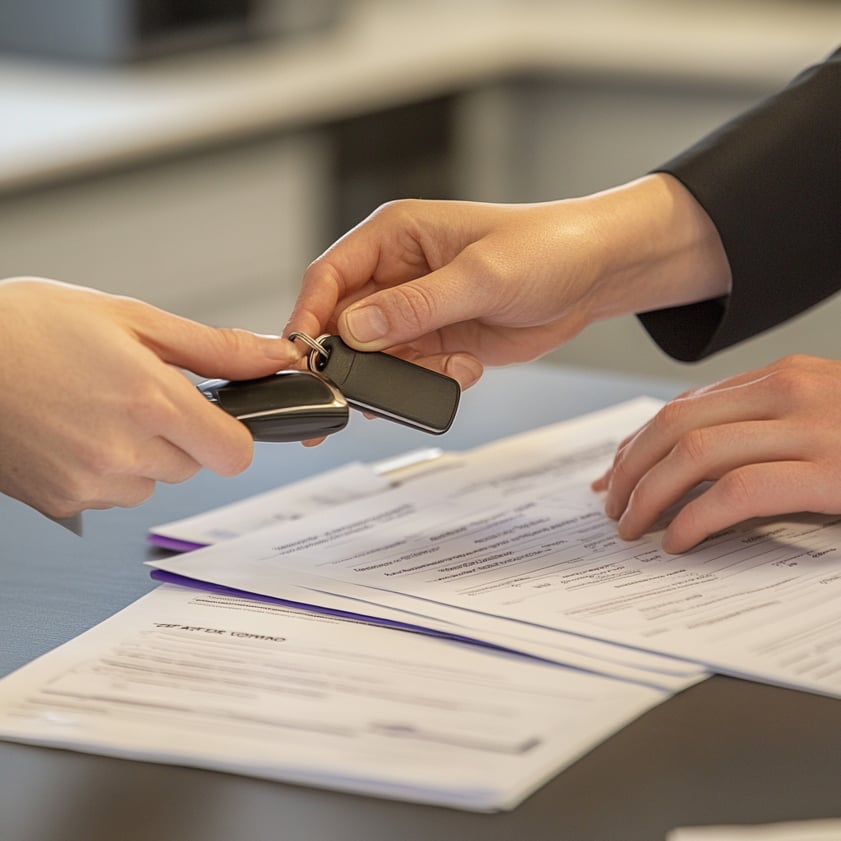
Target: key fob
{"points": [[388, 387], [287, 406]]}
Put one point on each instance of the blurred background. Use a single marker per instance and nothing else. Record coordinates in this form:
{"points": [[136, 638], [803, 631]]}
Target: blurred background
{"points": [[200, 153]]}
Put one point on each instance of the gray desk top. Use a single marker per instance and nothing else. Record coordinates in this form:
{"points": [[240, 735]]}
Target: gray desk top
{"points": [[724, 751]]}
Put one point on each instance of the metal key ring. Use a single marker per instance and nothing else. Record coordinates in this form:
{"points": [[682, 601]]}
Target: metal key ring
{"points": [[317, 349]]}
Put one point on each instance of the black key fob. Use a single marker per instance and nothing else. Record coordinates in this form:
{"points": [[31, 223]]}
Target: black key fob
{"points": [[287, 406], [388, 387]]}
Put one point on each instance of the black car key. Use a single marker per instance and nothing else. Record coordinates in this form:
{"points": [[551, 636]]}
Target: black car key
{"points": [[287, 406], [386, 386]]}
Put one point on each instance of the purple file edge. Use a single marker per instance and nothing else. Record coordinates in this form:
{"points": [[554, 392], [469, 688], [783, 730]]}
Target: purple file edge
{"points": [[164, 576], [167, 577], [173, 543]]}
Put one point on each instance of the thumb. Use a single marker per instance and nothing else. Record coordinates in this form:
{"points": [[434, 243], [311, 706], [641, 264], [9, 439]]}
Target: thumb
{"points": [[213, 351], [412, 310]]}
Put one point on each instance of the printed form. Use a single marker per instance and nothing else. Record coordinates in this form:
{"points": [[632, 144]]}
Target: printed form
{"points": [[463, 476], [515, 543], [203, 680]]}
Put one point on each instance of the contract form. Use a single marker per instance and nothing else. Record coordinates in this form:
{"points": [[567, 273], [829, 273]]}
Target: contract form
{"points": [[514, 542], [192, 678], [279, 505], [299, 499]]}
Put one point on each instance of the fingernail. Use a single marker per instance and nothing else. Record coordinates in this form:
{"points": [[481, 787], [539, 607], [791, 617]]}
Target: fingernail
{"points": [[279, 349], [366, 324]]}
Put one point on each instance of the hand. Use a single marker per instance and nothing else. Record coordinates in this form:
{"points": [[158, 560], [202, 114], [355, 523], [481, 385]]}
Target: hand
{"points": [[458, 285], [92, 411], [769, 441]]}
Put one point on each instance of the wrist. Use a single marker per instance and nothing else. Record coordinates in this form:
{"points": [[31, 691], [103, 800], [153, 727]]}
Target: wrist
{"points": [[659, 249]]}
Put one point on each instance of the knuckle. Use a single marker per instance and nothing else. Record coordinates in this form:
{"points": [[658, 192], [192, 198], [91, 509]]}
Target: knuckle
{"points": [[416, 306], [397, 209], [151, 409], [794, 360], [75, 495], [669, 417], [61, 507], [490, 264], [792, 384], [230, 339], [108, 459], [736, 491], [693, 447], [142, 492]]}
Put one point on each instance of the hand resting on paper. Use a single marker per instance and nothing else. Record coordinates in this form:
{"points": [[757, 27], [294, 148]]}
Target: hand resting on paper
{"points": [[768, 440], [93, 411]]}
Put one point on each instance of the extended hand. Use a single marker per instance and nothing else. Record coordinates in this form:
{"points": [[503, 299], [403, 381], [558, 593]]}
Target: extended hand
{"points": [[92, 411], [459, 285]]}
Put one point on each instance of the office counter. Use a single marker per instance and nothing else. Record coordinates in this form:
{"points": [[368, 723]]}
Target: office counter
{"points": [[724, 751]]}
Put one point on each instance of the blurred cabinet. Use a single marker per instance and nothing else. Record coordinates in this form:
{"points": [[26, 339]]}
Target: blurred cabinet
{"points": [[221, 235]]}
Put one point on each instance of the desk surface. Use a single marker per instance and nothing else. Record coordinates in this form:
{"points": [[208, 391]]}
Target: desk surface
{"points": [[724, 751], [64, 119]]}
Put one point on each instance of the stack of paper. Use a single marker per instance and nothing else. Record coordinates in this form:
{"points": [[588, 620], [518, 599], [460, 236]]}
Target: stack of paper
{"points": [[512, 547], [235, 685], [502, 551]]}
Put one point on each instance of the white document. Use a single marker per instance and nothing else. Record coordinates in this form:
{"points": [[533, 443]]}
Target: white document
{"points": [[190, 678], [279, 505], [506, 468], [524, 539], [295, 500], [817, 830]]}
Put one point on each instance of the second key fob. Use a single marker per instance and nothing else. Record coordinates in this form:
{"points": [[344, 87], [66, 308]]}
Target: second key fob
{"points": [[287, 406]]}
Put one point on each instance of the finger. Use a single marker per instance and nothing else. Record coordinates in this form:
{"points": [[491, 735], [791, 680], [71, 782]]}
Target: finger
{"points": [[206, 433], [756, 490], [162, 461], [744, 402], [703, 454], [316, 303], [116, 492], [208, 351], [349, 265], [602, 483], [413, 309], [465, 368], [313, 442]]}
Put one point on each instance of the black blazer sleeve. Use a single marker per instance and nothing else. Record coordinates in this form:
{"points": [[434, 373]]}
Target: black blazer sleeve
{"points": [[771, 182]]}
